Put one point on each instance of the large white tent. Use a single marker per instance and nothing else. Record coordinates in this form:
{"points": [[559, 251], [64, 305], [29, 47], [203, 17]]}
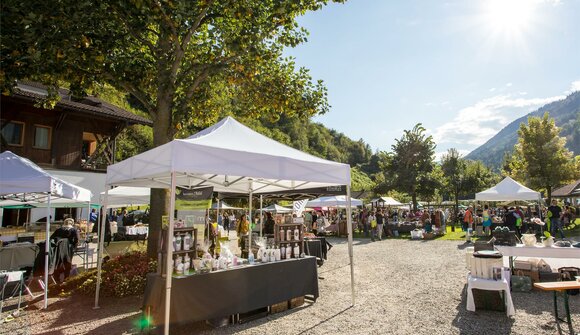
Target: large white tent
{"points": [[334, 201], [232, 158], [124, 196], [275, 208], [21, 179], [506, 190]]}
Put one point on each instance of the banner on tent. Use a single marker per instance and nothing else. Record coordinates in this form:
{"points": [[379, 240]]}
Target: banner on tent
{"points": [[195, 199], [299, 207]]}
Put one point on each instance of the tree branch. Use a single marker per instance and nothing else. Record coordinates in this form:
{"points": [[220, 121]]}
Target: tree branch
{"points": [[132, 89]]}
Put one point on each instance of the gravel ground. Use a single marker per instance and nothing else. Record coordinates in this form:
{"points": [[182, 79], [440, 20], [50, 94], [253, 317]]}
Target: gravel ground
{"points": [[402, 287]]}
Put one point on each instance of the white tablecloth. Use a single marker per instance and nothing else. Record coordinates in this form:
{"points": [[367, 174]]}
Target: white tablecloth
{"points": [[141, 230], [491, 285], [539, 251]]}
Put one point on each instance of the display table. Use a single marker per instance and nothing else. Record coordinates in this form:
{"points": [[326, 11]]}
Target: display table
{"points": [[229, 292], [539, 251], [560, 286]]}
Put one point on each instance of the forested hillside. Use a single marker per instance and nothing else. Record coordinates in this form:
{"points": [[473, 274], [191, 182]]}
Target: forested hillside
{"points": [[566, 114]]}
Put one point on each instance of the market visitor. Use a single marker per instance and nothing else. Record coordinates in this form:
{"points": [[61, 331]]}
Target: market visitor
{"points": [[554, 212], [269, 224], [243, 230], [227, 222], [380, 221], [64, 256], [486, 220], [372, 223]]}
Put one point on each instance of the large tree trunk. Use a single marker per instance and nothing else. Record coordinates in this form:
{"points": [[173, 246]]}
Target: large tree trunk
{"points": [[456, 218], [549, 191], [414, 197], [162, 133]]}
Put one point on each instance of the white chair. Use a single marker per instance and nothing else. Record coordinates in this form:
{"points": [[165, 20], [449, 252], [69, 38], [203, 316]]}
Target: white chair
{"points": [[491, 285]]}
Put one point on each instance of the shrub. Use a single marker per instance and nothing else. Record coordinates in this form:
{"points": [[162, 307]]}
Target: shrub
{"points": [[121, 276]]}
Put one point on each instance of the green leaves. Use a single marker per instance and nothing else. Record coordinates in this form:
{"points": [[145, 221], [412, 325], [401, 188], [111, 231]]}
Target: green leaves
{"points": [[540, 156]]}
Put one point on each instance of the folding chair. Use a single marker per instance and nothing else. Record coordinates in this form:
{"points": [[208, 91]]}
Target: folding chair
{"points": [[16, 277], [20, 257]]}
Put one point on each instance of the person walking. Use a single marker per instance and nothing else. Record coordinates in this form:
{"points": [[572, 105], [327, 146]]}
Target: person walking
{"points": [[554, 213], [227, 222], [380, 221], [372, 224]]}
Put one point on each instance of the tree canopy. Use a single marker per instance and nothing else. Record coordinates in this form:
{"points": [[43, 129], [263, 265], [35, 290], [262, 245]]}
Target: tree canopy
{"points": [[540, 158], [412, 161]]}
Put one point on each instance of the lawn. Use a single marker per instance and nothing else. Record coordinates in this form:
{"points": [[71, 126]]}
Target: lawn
{"points": [[573, 230]]}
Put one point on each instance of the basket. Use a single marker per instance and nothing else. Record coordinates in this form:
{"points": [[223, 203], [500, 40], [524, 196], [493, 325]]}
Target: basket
{"points": [[279, 307]]}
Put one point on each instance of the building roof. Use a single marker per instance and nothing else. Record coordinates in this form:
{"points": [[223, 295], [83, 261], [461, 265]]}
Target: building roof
{"points": [[568, 190], [26, 90]]}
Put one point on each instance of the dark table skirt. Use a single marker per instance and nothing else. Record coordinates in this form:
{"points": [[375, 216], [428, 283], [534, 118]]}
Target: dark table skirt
{"points": [[223, 293]]}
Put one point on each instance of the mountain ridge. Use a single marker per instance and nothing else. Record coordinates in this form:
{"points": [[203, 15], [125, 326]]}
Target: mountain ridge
{"points": [[566, 114]]}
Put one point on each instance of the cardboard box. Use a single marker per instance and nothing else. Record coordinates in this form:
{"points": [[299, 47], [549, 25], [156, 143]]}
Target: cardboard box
{"points": [[279, 307], [522, 265], [296, 302], [534, 275]]}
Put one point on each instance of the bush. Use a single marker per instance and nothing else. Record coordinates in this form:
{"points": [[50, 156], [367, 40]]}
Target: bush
{"points": [[121, 276]]}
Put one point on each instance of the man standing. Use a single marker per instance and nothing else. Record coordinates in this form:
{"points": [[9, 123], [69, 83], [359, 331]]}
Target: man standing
{"points": [[554, 213], [380, 221], [468, 218]]}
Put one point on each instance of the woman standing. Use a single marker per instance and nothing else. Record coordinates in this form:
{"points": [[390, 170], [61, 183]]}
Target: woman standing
{"points": [[243, 230], [486, 220]]}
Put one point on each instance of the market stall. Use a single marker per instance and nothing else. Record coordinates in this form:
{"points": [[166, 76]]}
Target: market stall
{"points": [[22, 180], [231, 158]]}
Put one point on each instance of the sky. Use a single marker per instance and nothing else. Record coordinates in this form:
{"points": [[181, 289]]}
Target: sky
{"points": [[464, 69]]}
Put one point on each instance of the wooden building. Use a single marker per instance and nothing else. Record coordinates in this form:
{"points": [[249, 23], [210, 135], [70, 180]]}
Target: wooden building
{"points": [[75, 140]]}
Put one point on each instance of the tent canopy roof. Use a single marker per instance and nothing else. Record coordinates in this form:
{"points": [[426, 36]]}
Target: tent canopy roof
{"points": [[387, 201], [275, 208], [124, 196], [506, 190], [21, 179], [232, 158], [333, 201]]}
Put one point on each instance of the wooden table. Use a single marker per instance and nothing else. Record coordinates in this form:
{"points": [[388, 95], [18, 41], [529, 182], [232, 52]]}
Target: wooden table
{"points": [[560, 286]]}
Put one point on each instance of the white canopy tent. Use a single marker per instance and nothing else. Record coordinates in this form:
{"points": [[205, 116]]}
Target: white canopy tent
{"points": [[275, 208], [124, 196], [232, 158], [506, 190], [222, 206], [334, 201], [21, 179], [385, 201]]}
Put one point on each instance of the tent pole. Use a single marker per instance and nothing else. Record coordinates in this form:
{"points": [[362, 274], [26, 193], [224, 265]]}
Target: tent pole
{"points": [[46, 252], [169, 268], [251, 218], [261, 216], [101, 236], [349, 227]]}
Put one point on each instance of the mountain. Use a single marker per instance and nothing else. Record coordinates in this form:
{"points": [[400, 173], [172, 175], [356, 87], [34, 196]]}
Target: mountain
{"points": [[566, 114]]}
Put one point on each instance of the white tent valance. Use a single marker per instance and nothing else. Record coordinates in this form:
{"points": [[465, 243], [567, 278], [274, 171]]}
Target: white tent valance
{"points": [[223, 206], [334, 201], [506, 190]]}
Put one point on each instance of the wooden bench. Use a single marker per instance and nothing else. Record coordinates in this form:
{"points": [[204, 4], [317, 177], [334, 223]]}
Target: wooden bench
{"points": [[560, 286]]}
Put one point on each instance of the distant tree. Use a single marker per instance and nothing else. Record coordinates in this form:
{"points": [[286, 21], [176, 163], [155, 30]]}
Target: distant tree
{"points": [[477, 177], [453, 167], [430, 185], [540, 155], [412, 161]]}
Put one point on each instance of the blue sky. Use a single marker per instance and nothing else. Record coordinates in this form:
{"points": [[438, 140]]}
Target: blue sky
{"points": [[464, 69]]}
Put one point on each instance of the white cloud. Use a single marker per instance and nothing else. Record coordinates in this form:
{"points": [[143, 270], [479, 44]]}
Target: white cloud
{"points": [[492, 89], [474, 125], [508, 85], [575, 86]]}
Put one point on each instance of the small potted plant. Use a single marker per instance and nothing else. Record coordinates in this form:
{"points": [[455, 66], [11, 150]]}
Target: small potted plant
{"points": [[547, 239]]}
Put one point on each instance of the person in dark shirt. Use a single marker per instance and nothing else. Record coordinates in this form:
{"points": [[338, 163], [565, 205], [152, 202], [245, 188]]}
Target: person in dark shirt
{"points": [[554, 213], [269, 224], [68, 232]]}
